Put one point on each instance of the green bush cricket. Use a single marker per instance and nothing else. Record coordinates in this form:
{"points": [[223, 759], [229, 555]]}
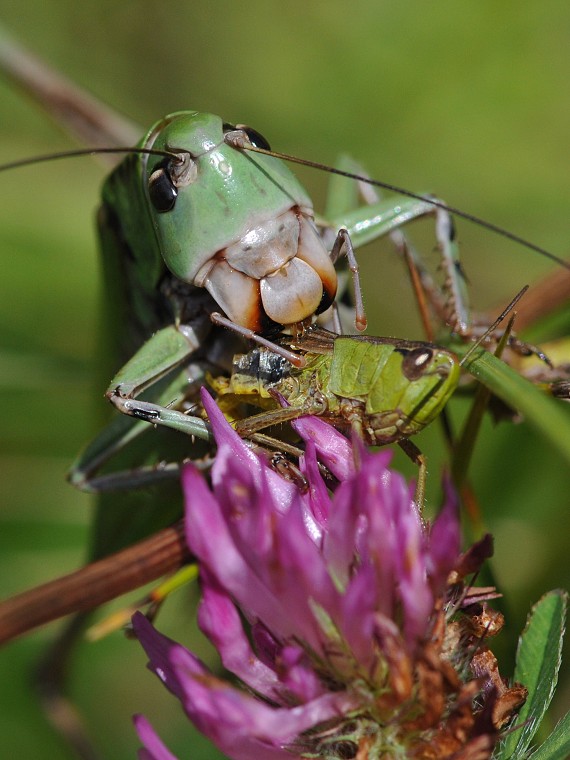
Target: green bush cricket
{"points": [[149, 374]]}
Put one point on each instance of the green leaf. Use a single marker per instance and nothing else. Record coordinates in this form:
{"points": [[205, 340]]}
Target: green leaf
{"points": [[537, 665], [549, 416], [557, 746]]}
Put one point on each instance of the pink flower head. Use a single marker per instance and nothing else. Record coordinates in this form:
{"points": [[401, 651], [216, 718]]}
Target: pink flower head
{"points": [[349, 647]]}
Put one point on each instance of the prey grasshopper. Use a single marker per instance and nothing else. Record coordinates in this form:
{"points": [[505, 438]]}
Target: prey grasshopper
{"points": [[386, 390]]}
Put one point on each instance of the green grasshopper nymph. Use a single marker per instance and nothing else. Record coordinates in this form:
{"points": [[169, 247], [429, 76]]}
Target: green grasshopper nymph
{"points": [[390, 389], [386, 390]]}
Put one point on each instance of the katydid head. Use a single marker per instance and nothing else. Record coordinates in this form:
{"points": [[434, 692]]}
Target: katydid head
{"points": [[240, 226]]}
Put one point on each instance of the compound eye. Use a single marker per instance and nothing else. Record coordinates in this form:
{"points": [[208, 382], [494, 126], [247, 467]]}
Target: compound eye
{"points": [[161, 189], [416, 361], [255, 138]]}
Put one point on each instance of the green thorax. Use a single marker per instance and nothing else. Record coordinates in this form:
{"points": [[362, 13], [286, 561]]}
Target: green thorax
{"points": [[415, 379]]}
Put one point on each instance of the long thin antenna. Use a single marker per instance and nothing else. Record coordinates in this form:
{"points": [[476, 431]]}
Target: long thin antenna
{"points": [[426, 198], [495, 324], [83, 152], [436, 203]]}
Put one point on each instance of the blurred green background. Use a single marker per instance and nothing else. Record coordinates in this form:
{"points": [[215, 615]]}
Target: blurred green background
{"points": [[469, 101]]}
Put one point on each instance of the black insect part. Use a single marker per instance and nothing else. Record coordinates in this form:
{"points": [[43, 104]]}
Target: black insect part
{"points": [[415, 362], [161, 189], [255, 137], [148, 415]]}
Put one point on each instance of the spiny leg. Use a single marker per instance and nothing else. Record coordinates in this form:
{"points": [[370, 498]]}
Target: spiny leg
{"points": [[160, 355], [249, 426], [450, 303], [381, 217], [343, 243], [123, 432], [386, 217]]}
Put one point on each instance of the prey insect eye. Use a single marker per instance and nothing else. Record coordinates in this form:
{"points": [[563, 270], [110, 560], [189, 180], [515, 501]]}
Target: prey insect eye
{"points": [[161, 189], [415, 361]]}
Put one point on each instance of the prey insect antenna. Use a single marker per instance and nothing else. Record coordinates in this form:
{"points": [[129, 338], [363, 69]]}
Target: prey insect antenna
{"points": [[417, 196], [495, 324]]}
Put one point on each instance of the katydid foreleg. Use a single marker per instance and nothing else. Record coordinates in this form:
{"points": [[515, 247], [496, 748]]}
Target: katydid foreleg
{"points": [[388, 217], [122, 431], [380, 217]]}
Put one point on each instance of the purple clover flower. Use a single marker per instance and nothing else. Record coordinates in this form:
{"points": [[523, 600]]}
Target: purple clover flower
{"points": [[336, 613]]}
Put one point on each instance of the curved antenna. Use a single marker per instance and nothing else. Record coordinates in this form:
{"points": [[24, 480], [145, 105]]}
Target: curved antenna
{"points": [[84, 152], [417, 196]]}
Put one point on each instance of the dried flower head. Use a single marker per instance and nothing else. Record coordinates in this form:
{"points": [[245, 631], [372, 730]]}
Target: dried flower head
{"points": [[345, 619]]}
